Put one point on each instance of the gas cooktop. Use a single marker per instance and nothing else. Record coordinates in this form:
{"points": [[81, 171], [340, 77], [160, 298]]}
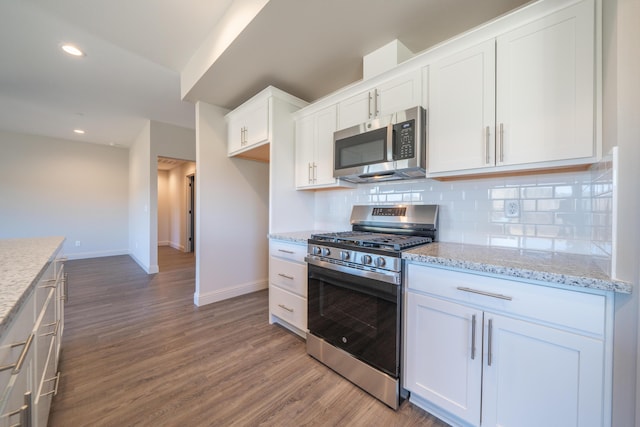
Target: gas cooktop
{"points": [[364, 239]]}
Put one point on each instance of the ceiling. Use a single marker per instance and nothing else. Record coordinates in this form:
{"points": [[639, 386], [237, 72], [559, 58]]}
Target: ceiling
{"points": [[136, 51]]}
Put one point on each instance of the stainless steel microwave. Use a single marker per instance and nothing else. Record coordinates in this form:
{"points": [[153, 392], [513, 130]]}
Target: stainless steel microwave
{"points": [[388, 148]]}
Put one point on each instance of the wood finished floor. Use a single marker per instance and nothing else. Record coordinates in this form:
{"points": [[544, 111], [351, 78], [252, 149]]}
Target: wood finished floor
{"points": [[138, 352]]}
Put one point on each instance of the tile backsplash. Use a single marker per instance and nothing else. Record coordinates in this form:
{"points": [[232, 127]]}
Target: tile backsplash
{"points": [[559, 212]]}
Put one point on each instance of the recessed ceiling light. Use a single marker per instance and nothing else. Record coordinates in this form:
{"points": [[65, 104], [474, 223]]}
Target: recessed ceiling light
{"points": [[72, 50], [79, 131]]}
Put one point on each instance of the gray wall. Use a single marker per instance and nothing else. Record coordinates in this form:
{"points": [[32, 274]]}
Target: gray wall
{"points": [[53, 187]]}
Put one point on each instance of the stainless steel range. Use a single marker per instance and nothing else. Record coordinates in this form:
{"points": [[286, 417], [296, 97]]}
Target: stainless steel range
{"points": [[355, 294]]}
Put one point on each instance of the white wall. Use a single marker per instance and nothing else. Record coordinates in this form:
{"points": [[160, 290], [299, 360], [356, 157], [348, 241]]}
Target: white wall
{"points": [[55, 187], [232, 213]]}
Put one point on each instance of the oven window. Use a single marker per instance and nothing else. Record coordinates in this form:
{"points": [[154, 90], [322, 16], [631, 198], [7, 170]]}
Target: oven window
{"points": [[363, 149], [358, 315]]}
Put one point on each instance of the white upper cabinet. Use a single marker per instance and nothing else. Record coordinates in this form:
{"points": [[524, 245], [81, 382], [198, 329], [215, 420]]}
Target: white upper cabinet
{"points": [[462, 110], [386, 98], [545, 93], [314, 150], [524, 100], [249, 126]]}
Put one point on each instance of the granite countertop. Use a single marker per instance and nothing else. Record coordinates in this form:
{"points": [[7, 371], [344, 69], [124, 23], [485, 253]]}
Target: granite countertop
{"points": [[296, 236], [559, 268], [22, 262]]}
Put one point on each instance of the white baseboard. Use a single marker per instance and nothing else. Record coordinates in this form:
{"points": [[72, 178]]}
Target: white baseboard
{"points": [[226, 293], [96, 254], [149, 269]]}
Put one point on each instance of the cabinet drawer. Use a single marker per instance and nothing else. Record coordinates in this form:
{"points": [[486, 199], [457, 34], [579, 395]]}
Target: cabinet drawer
{"points": [[573, 310], [288, 307], [288, 275], [289, 251]]}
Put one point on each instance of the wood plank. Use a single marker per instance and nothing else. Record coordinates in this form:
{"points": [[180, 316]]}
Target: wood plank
{"points": [[137, 351]]}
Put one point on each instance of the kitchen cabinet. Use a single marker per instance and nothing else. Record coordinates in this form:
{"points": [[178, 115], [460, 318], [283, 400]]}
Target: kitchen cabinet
{"points": [[397, 94], [251, 126], [314, 150], [288, 285], [248, 126], [523, 100], [29, 352], [486, 351]]}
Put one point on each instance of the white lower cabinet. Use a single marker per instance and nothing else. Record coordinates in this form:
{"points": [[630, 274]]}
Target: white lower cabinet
{"points": [[288, 285], [29, 353], [483, 351]]}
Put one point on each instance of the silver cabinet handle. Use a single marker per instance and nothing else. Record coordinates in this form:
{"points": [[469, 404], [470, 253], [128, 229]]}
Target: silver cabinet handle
{"points": [[55, 387], [487, 135], [55, 329], [490, 342], [473, 337], [286, 251], [375, 102], [369, 110], [24, 411], [487, 294], [309, 174], [21, 358], [501, 143], [65, 287], [315, 173], [290, 310], [285, 276]]}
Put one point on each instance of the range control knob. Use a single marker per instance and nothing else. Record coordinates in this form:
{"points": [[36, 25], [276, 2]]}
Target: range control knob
{"points": [[366, 259], [380, 262], [326, 252], [315, 250], [345, 255]]}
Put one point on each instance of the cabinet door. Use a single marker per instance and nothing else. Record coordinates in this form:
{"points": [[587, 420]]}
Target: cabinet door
{"points": [[462, 110], [355, 110], [398, 94], [305, 146], [545, 93], [540, 376], [326, 123], [257, 123], [235, 134], [443, 363]]}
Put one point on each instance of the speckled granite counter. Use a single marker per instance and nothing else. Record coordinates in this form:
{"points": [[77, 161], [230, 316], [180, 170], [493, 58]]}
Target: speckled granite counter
{"points": [[296, 236], [22, 262], [558, 268]]}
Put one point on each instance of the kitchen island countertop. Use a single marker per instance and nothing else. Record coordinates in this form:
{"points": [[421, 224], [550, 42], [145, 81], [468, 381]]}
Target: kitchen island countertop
{"points": [[22, 263], [551, 267]]}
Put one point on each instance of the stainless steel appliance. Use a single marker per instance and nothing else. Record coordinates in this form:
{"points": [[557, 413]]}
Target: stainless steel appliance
{"points": [[387, 148], [355, 294]]}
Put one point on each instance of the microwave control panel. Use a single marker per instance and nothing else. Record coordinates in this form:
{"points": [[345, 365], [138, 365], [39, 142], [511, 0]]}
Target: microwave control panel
{"points": [[404, 141]]}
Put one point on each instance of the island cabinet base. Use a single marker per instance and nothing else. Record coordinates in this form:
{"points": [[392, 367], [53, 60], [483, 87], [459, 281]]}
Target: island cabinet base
{"points": [[486, 351]]}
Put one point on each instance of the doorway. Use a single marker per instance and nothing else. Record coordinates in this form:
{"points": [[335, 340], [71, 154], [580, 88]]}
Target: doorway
{"points": [[191, 213]]}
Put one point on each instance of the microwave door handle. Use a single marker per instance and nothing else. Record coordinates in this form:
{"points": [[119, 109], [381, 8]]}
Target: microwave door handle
{"points": [[390, 143]]}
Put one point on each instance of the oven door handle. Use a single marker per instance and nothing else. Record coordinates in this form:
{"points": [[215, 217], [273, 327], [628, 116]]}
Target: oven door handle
{"points": [[384, 290]]}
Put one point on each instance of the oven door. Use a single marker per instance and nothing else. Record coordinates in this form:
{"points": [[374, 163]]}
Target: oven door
{"points": [[359, 315]]}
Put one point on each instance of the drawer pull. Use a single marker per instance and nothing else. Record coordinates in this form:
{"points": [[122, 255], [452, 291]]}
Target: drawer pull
{"points": [[487, 294], [286, 251], [55, 330], [290, 310], [285, 276], [55, 387], [23, 355]]}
